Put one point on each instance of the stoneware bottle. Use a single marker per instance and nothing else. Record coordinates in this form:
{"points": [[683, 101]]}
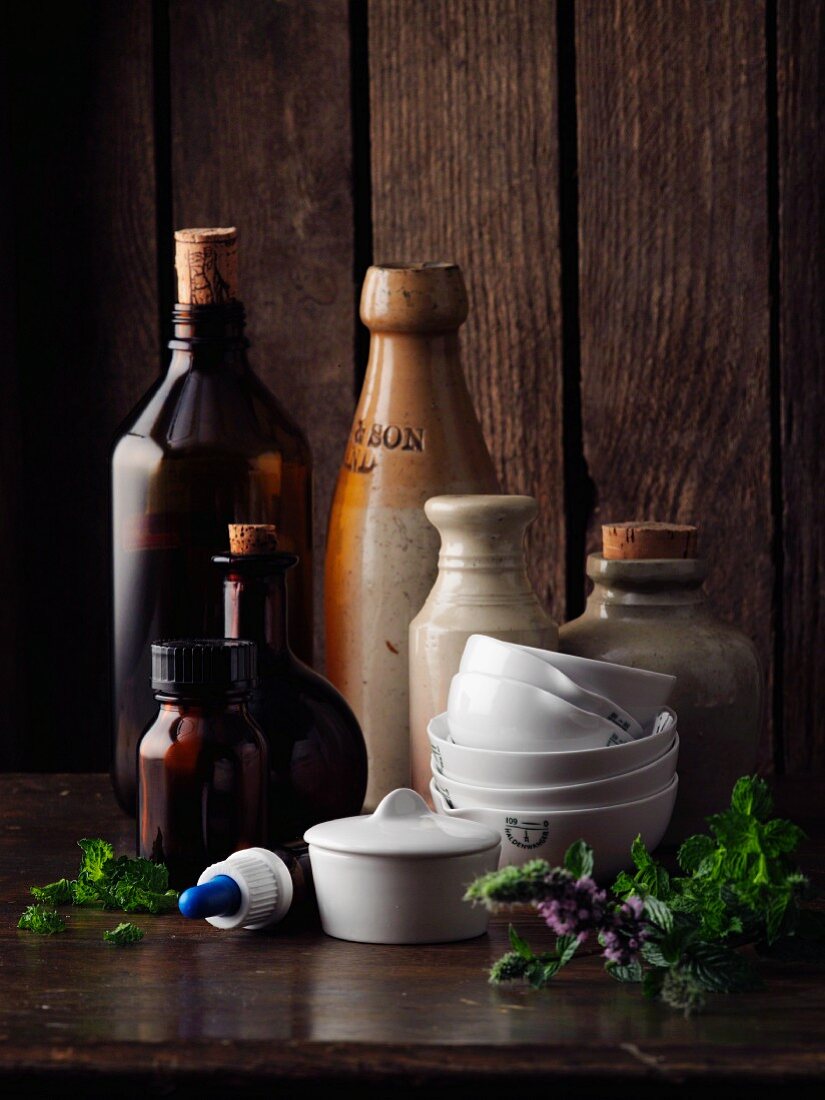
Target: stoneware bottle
{"points": [[414, 435], [647, 610], [482, 588]]}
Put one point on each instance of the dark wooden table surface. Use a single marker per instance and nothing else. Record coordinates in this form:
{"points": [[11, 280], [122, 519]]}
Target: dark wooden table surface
{"points": [[193, 1011]]}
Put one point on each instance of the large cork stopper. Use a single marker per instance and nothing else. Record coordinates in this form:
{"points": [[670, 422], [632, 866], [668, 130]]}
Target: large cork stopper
{"points": [[206, 261], [253, 538], [641, 539]]}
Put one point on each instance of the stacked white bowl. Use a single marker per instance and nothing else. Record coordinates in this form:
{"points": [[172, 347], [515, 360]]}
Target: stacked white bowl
{"points": [[549, 748]]}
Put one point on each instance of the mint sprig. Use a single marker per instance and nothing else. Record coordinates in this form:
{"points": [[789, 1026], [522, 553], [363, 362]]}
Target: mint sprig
{"points": [[677, 935]]}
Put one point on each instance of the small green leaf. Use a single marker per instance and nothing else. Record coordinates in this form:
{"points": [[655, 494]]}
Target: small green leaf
{"points": [[578, 859], [519, 945], [632, 973], [124, 934], [659, 913], [694, 851], [751, 796], [96, 854], [641, 856], [718, 969], [56, 893], [566, 948], [624, 886], [42, 920]]}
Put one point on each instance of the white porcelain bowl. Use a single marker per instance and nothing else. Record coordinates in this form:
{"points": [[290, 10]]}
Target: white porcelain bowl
{"points": [[495, 658], [638, 691], [489, 768], [491, 712], [635, 784], [548, 834]]}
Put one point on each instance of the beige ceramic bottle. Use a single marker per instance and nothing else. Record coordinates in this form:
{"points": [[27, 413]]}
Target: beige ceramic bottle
{"points": [[482, 588], [647, 609], [414, 435]]}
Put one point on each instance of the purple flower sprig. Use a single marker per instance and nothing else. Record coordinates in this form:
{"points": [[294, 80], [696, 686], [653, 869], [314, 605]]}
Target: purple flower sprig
{"points": [[576, 907]]}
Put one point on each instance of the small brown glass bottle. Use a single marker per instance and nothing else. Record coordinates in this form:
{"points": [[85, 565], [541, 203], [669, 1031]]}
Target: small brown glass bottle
{"points": [[317, 756], [203, 763]]}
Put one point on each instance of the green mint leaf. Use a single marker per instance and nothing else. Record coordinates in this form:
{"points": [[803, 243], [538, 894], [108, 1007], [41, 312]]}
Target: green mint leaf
{"points": [[42, 920], [718, 969], [545, 976], [653, 953], [641, 856], [624, 886], [776, 908], [578, 859], [520, 946], [136, 886], [751, 796], [124, 934], [566, 948], [659, 913], [632, 973], [781, 837], [694, 852], [56, 893]]}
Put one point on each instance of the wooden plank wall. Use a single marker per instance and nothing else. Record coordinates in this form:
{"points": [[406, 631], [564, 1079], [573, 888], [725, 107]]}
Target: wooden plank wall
{"points": [[633, 187]]}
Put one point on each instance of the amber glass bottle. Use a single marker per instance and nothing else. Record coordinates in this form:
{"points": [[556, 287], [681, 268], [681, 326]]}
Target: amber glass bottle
{"points": [[202, 764], [208, 445], [317, 756]]}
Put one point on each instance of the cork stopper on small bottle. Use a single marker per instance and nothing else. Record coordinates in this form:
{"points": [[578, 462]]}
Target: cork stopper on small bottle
{"points": [[253, 538], [643, 539], [206, 261]]}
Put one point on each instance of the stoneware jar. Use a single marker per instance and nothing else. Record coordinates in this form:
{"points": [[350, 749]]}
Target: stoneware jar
{"points": [[399, 875], [482, 588], [652, 613], [414, 435]]}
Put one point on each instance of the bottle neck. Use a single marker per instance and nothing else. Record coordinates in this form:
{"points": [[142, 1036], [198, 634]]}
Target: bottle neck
{"points": [[255, 608], [209, 337], [634, 589], [474, 566], [202, 706], [413, 353]]}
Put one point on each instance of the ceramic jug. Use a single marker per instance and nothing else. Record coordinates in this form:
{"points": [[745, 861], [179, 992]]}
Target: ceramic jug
{"points": [[414, 435], [650, 612], [481, 588]]}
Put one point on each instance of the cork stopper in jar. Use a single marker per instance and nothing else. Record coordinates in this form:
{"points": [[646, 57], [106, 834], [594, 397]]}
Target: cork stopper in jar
{"points": [[643, 539], [253, 538], [413, 297], [206, 261]]}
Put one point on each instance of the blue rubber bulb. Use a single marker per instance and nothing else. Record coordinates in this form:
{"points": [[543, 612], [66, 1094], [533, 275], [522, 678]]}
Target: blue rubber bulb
{"points": [[220, 897]]}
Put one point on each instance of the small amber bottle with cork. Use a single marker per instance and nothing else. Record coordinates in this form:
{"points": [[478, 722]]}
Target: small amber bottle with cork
{"points": [[647, 609]]}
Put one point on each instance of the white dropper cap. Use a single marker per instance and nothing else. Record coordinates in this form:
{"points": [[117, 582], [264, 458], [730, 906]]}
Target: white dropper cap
{"points": [[265, 886]]}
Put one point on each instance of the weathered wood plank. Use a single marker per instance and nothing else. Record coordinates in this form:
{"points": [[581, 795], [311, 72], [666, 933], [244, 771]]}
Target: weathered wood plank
{"points": [[801, 127], [261, 139], [84, 205], [465, 168], [674, 261]]}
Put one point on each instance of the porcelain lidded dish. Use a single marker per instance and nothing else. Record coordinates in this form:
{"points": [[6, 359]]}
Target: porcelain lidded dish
{"points": [[399, 875]]}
